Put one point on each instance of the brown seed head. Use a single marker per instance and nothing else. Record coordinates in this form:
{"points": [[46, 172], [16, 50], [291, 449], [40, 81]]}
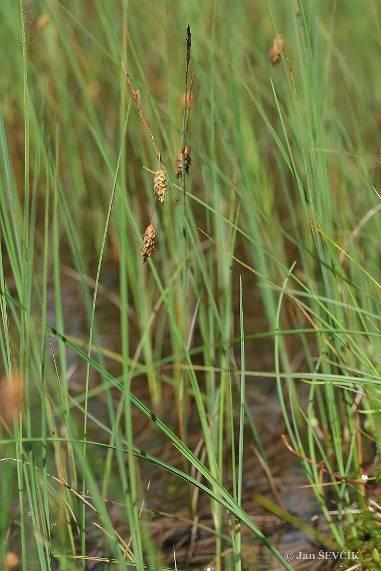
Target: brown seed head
{"points": [[276, 49], [28, 15], [189, 43], [183, 161], [179, 164], [11, 397], [187, 100], [160, 185], [149, 240], [42, 21], [187, 158], [133, 92], [11, 560]]}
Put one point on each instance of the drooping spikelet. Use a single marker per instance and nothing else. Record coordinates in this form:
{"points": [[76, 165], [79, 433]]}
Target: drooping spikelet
{"points": [[183, 161], [149, 240], [160, 185], [276, 49]]}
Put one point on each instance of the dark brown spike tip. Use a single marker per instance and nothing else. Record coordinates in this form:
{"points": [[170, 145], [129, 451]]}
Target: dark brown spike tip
{"points": [[189, 43], [183, 162]]}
